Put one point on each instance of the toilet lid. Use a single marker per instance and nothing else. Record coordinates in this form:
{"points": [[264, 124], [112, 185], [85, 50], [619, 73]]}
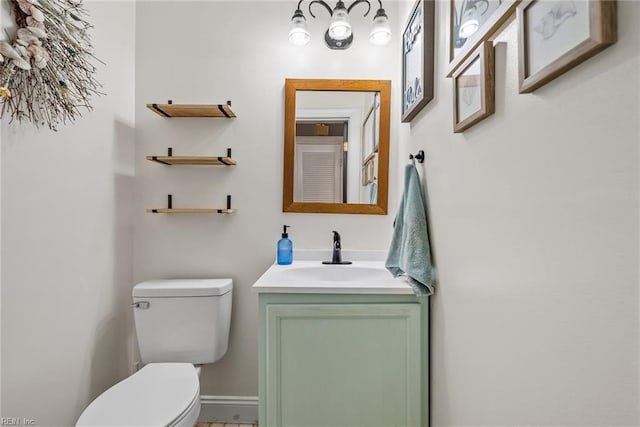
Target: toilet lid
{"points": [[156, 395]]}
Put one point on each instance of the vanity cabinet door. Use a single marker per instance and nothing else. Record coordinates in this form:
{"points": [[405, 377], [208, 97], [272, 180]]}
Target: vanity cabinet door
{"points": [[342, 365]]}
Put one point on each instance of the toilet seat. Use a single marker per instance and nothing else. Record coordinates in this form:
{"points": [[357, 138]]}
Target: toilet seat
{"points": [[160, 394]]}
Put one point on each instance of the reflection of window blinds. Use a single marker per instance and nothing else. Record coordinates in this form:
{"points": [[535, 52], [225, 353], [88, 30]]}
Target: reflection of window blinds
{"points": [[319, 178]]}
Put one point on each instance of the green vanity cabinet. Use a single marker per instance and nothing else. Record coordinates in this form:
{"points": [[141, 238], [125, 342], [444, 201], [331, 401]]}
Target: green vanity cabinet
{"points": [[343, 360]]}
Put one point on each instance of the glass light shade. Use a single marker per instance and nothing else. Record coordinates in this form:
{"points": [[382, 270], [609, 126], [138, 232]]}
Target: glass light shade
{"points": [[299, 34], [340, 28], [470, 23], [381, 32]]}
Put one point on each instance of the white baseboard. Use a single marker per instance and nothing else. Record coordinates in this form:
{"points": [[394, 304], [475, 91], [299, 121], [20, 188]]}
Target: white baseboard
{"points": [[228, 409]]}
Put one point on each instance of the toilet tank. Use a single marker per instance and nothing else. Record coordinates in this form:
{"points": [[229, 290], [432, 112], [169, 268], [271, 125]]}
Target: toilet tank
{"points": [[183, 320]]}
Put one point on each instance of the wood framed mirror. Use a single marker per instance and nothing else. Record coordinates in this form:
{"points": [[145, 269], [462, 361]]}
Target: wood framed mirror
{"points": [[336, 146]]}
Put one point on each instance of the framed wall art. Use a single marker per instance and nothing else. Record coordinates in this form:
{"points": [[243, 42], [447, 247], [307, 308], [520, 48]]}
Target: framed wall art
{"points": [[473, 89], [472, 22], [555, 36], [369, 170], [376, 121], [368, 135], [371, 166], [417, 59]]}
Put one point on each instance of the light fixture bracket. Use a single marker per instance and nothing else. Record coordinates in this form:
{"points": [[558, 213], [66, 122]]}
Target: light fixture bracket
{"points": [[337, 44], [380, 12]]}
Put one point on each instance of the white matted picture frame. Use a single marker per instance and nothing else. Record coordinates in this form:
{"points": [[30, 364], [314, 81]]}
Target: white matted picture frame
{"points": [[474, 88], [417, 59], [472, 22], [555, 36]]}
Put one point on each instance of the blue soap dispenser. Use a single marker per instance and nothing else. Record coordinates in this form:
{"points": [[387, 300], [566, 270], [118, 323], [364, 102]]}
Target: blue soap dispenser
{"points": [[285, 248]]}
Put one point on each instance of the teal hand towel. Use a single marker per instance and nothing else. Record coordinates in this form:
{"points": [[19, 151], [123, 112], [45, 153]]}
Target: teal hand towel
{"points": [[409, 252]]}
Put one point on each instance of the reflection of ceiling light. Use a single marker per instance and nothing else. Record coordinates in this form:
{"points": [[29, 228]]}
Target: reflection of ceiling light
{"points": [[339, 34], [469, 22]]}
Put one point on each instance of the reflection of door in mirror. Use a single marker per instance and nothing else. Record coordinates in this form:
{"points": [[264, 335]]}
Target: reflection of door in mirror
{"points": [[336, 146], [320, 160], [318, 169]]}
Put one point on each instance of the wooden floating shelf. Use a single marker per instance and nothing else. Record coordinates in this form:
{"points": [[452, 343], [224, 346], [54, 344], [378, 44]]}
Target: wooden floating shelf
{"points": [[170, 159], [193, 110], [191, 211], [193, 160], [171, 210]]}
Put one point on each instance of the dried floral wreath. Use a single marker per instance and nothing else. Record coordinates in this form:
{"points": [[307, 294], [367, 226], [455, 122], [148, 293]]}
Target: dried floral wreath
{"points": [[46, 72]]}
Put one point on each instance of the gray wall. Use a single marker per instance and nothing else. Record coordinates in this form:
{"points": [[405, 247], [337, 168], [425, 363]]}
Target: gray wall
{"points": [[534, 228], [67, 243], [206, 59]]}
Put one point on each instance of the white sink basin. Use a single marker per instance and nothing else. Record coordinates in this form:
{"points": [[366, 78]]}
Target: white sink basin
{"points": [[333, 273], [311, 276]]}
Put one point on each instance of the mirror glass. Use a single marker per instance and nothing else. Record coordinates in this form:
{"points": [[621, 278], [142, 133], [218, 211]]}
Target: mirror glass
{"points": [[336, 146]]}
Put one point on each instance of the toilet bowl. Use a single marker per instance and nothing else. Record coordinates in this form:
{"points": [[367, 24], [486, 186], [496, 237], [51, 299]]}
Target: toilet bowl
{"points": [[179, 323], [160, 394]]}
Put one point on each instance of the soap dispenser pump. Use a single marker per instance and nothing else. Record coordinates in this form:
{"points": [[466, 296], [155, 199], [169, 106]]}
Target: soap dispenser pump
{"points": [[285, 248]]}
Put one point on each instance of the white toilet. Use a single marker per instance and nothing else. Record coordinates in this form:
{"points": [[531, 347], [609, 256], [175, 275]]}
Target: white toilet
{"points": [[179, 323]]}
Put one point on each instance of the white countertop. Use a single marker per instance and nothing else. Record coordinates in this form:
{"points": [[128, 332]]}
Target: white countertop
{"points": [[310, 276]]}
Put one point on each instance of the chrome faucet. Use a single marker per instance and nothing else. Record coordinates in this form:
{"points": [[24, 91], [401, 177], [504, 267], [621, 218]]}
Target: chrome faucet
{"points": [[336, 258]]}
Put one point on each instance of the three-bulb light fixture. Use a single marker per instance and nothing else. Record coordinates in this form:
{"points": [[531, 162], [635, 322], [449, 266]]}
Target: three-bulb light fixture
{"points": [[339, 34]]}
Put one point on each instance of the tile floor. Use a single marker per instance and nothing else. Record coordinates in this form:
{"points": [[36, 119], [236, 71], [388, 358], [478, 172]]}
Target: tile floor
{"points": [[225, 425]]}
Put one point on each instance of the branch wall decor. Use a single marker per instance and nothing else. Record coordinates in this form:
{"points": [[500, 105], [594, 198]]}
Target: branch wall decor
{"points": [[46, 71]]}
